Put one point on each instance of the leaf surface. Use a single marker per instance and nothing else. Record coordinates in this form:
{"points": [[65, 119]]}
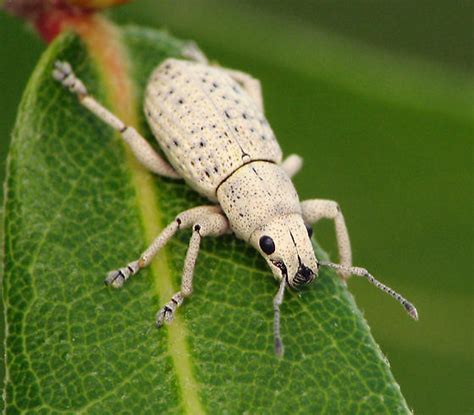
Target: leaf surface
{"points": [[78, 206]]}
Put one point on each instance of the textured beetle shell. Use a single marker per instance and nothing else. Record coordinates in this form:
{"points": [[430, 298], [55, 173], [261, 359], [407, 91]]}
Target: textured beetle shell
{"points": [[255, 194], [206, 123]]}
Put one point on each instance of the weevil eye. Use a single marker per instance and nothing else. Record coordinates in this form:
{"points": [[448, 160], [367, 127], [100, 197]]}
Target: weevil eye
{"points": [[310, 230], [267, 245]]}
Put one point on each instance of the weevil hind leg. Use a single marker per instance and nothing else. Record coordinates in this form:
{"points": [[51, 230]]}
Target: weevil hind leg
{"points": [[251, 85], [142, 150], [191, 51], [316, 209], [213, 224], [184, 220]]}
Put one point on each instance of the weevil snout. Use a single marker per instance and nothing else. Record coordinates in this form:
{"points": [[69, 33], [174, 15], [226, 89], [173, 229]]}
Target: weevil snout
{"points": [[304, 276], [286, 245]]}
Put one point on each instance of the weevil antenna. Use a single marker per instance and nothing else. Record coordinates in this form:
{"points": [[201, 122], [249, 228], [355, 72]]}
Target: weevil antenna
{"points": [[277, 301], [362, 272]]}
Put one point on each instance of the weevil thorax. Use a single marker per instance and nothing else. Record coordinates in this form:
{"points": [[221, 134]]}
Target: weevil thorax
{"points": [[286, 246], [263, 209]]}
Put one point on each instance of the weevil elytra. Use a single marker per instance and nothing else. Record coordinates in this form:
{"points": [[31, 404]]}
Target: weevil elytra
{"points": [[210, 123]]}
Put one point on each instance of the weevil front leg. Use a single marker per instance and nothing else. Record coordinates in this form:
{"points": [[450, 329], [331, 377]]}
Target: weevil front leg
{"points": [[143, 151], [184, 220], [316, 209], [214, 224]]}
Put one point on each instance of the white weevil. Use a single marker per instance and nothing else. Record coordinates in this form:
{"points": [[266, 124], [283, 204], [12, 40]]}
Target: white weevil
{"points": [[209, 122]]}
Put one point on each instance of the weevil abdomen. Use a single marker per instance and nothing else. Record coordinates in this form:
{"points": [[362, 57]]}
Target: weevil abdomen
{"points": [[206, 123]]}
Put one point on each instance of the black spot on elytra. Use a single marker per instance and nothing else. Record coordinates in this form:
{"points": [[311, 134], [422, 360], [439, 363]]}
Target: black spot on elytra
{"points": [[176, 143], [180, 101], [227, 114]]}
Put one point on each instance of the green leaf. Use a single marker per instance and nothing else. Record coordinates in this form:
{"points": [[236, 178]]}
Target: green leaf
{"points": [[78, 206]]}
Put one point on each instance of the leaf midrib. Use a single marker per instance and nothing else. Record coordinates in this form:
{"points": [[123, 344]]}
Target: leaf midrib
{"points": [[124, 105]]}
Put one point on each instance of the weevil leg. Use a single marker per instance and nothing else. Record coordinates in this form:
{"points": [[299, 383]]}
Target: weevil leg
{"points": [[316, 209], [143, 151], [292, 164], [191, 51], [184, 220], [251, 85], [213, 224], [277, 302]]}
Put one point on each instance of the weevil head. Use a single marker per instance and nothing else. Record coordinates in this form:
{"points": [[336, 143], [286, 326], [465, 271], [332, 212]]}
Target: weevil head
{"points": [[285, 243]]}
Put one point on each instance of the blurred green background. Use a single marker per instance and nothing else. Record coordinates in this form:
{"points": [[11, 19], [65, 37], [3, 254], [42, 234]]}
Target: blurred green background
{"points": [[378, 98]]}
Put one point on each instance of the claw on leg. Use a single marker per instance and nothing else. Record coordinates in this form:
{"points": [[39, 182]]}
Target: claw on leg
{"points": [[61, 70], [166, 314], [118, 277], [64, 74]]}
